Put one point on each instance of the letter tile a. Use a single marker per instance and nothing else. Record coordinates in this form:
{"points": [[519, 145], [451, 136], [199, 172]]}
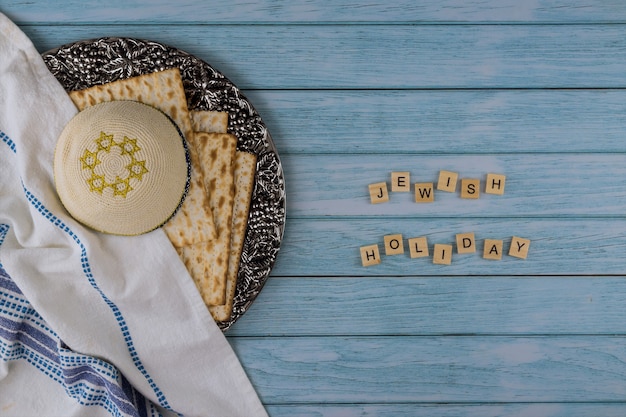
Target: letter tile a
{"points": [[493, 249]]}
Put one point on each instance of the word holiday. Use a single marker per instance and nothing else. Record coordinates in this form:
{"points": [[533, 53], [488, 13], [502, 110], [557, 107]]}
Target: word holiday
{"points": [[442, 253], [425, 191]]}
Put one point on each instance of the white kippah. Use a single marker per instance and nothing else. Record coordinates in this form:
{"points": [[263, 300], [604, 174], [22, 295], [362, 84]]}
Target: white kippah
{"points": [[121, 167]]}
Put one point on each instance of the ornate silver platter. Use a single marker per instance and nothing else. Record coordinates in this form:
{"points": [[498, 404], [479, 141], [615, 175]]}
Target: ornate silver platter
{"points": [[98, 61]]}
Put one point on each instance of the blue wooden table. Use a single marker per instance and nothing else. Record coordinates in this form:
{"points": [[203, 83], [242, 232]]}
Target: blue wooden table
{"points": [[352, 91]]}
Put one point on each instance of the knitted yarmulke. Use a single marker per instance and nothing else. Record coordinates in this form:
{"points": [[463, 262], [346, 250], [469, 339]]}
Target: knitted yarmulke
{"points": [[121, 167]]}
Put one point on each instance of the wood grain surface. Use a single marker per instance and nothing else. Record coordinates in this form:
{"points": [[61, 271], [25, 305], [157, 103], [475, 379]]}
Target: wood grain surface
{"points": [[352, 91]]}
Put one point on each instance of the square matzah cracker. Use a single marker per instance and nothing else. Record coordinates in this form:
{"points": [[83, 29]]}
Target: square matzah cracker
{"points": [[217, 156], [245, 170]]}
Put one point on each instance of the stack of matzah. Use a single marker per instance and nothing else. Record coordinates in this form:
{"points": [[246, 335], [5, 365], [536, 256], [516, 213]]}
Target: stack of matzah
{"points": [[209, 229]]}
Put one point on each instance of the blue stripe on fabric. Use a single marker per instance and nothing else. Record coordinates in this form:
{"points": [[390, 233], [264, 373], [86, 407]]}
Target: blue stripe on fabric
{"points": [[8, 141], [4, 228], [87, 376], [23, 333], [133, 394], [7, 284], [77, 377], [83, 375]]}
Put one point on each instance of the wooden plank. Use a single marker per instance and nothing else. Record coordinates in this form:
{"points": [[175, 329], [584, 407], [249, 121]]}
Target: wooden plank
{"points": [[560, 246], [266, 11], [536, 185], [426, 121], [352, 306], [387, 56], [376, 370], [450, 410]]}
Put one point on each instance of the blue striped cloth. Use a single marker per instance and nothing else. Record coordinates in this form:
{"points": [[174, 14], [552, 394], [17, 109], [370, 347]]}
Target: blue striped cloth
{"points": [[25, 336]]}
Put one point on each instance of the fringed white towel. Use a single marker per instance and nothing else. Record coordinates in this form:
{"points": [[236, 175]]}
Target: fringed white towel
{"points": [[92, 324]]}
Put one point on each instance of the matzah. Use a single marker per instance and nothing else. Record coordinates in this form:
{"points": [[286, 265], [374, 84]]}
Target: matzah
{"points": [[209, 121], [217, 155], [202, 262], [244, 174], [245, 170], [164, 90]]}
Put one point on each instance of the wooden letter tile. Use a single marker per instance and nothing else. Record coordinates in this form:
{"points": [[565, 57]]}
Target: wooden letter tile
{"points": [[470, 188], [493, 249], [442, 254], [418, 247], [394, 245], [447, 181], [424, 192], [465, 243], [495, 184], [379, 193], [401, 182], [519, 247], [370, 255]]}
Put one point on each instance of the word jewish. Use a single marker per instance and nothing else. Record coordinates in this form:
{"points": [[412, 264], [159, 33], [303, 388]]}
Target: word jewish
{"points": [[425, 191], [442, 253]]}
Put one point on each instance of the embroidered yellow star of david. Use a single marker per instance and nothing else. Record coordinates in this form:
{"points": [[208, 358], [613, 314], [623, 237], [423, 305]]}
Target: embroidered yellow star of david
{"points": [[97, 183], [105, 142], [137, 169], [89, 159], [121, 186], [128, 149], [129, 146]]}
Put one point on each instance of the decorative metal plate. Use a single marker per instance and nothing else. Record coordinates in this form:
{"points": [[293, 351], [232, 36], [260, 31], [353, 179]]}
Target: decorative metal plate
{"points": [[98, 61]]}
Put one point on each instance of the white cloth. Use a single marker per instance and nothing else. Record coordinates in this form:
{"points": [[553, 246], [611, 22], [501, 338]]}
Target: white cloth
{"points": [[92, 324]]}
